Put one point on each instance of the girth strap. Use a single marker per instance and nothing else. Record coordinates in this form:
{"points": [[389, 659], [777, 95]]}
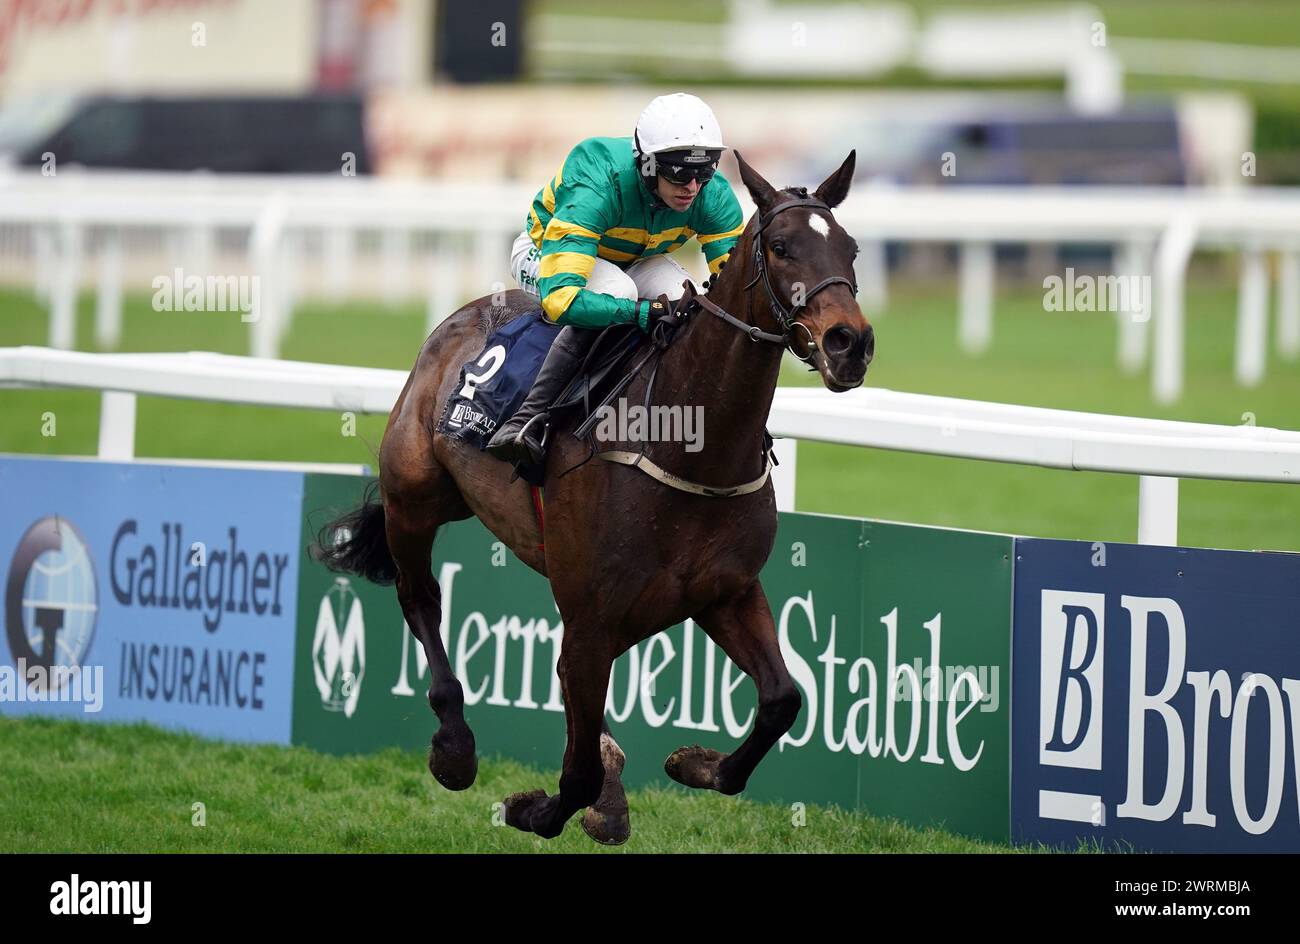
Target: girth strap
{"points": [[639, 460]]}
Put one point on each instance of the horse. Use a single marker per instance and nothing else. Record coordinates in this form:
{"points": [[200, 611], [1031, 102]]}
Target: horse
{"points": [[627, 554]]}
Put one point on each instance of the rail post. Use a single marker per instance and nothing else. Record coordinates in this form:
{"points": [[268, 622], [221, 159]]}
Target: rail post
{"points": [[1157, 510], [975, 330], [1172, 257], [117, 426], [1252, 318]]}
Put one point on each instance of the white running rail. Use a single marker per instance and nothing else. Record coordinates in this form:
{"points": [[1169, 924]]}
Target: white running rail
{"points": [[1159, 451]]}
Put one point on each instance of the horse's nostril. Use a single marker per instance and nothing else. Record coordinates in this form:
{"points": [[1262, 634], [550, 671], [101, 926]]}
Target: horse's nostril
{"points": [[838, 340], [869, 336]]}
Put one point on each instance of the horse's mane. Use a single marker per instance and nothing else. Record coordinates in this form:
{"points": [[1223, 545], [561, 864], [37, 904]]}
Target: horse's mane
{"points": [[493, 317]]}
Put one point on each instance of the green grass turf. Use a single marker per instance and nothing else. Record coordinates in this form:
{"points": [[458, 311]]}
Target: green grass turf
{"points": [[1039, 358], [136, 787]]}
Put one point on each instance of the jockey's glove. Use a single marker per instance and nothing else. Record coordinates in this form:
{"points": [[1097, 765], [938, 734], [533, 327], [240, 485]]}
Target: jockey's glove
{"points": [[663, 320], [650, 310], [709, 282]]}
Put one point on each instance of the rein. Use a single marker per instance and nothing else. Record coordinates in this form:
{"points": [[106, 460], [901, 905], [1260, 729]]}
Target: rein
{"points": [[786, 319]]}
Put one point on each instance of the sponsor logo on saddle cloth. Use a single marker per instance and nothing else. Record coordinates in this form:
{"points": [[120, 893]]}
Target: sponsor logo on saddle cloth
{"points": [[495, 383], [464, 415]]}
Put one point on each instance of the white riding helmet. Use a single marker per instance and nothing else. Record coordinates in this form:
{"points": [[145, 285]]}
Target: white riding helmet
{"points": [[678, 137], [677, 122]]}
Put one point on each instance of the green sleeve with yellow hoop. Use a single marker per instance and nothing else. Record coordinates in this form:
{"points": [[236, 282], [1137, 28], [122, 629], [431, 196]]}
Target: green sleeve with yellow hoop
{"points": [[597, 207]]}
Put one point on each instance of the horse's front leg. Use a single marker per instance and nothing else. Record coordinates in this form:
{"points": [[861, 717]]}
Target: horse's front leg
{"points": [[584, 668], [743, 628]]}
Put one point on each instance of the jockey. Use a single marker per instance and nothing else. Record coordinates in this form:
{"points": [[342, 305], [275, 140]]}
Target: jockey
{"points": [[595, 243]]}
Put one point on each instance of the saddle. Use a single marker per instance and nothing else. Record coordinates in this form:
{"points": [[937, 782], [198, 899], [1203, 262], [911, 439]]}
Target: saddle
{"points": [[609, 366], [494, 383], [615, 358], [496, 380]]}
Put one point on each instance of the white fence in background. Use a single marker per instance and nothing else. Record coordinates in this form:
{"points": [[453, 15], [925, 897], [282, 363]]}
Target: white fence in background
{"points": [[766, 39], [285, 226], [1159, 451], [773, 40]]}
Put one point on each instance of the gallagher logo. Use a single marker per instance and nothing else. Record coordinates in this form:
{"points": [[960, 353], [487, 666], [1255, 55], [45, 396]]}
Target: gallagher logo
{"points": [[50, 603]]}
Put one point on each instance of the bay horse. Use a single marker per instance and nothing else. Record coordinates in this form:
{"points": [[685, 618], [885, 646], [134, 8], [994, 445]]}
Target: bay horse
{"points": [[627, 556]]}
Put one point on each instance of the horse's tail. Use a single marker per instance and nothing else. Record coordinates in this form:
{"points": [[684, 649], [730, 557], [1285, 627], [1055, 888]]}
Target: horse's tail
{"points": [[357, 542]]}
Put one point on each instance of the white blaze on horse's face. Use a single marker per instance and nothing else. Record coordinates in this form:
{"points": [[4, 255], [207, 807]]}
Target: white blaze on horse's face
{"points": [[819, 225]]}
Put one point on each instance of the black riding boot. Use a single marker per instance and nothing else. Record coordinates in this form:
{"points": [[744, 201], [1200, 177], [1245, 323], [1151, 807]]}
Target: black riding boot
{"points": [[520, 438]]}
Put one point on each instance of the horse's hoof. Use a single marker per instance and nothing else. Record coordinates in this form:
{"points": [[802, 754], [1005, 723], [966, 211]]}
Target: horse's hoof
{"points": [[519, 808], [606, 820], [694, 766], [607, 828], [452, 759]]}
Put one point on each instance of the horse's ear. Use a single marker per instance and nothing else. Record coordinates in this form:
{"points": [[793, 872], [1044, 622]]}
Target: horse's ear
{"points": [[835, 188], [763, 194]]}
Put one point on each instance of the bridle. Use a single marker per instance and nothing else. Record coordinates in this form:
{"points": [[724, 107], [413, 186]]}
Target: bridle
{"points": [[787, 319]]}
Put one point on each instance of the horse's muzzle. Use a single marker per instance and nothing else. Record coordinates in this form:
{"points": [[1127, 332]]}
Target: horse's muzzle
{"points": [[847, 352]]}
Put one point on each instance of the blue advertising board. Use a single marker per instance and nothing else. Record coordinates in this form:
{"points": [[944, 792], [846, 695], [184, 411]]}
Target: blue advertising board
{"points": [[1155, 697], [157, 593]]}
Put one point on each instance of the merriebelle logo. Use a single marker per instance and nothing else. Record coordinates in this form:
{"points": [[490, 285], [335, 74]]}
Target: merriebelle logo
{"points": [[1075, 699], [338, 650], [76, 897]]}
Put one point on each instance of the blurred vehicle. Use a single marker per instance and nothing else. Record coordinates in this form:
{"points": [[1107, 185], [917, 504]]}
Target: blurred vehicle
{"points": [[1139, 146], [229, 134], [1028, 146]]}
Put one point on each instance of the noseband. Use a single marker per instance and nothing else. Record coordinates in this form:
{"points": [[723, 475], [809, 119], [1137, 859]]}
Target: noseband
{"points": [[786, 318]]}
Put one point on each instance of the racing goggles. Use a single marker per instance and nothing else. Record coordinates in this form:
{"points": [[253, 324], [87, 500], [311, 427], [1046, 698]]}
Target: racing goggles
{"points": [[681, 169]]}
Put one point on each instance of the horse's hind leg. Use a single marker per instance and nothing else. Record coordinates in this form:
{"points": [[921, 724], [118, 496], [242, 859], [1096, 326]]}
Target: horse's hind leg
{"points": [[743, 629], [606, 820], [412, 517]]}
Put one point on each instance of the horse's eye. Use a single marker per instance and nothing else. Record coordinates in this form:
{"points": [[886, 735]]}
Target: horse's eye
{"points": [[778, 250]]}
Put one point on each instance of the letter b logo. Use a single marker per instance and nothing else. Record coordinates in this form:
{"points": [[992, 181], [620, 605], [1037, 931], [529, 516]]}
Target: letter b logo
{"points": [[1070, 709]]}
